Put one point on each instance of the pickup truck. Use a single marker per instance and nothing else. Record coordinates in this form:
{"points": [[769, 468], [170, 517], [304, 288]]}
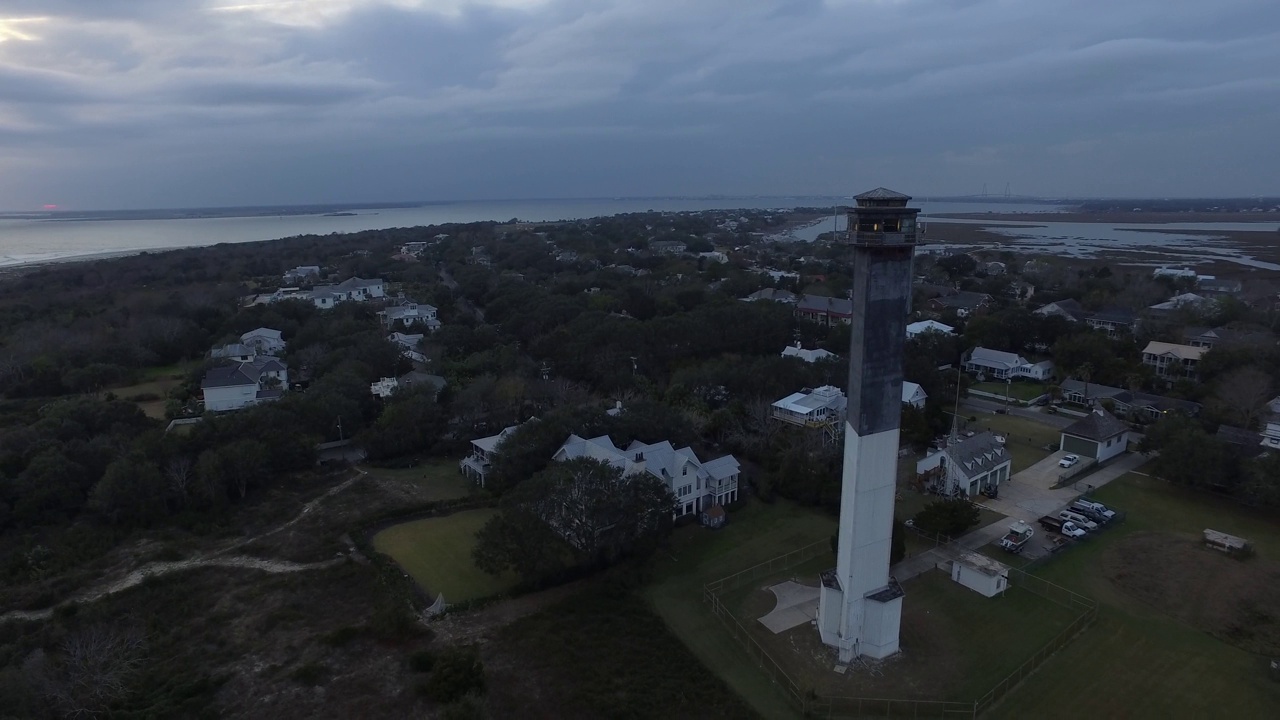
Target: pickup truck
{"points": [[1066, 527], [1068, 461], [1017, 537], [1095, 510]]}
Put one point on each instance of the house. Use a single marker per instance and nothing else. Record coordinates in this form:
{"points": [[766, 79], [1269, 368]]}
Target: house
{"points": [[238, 352], [714, 517], [808, 356], [264, 340], [1114, 321], [386, 387], [1175, 273], [667, 247], [410, 314], [1098, 435], [301, 274], [714, 256], [824, 310], [994, 268], [913, 395], [1125, 402], [986, 576], [1185, 301], [1173, 362], [408, 346], [820, 407], [239, 385], [967, 467], [1000, 365], [694, 485], [915, 329], [326, 296], [774, 294], [1069, 309], [1226, 337], [476, 465], [964, 303], [1215, 288]]}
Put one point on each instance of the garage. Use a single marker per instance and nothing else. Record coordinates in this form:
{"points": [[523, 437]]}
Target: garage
{"points": [[1098, 435]]}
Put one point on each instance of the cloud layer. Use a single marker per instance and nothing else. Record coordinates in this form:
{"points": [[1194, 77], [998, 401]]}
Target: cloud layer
{"points": [[142, 103]]}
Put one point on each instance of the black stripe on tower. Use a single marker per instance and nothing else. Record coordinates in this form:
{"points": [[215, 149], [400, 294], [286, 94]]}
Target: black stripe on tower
{"points": [[881, 303]]}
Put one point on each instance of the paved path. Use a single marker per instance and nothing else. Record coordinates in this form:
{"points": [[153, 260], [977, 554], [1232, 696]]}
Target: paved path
{"points": [[1021, 498], [1052, 420]]}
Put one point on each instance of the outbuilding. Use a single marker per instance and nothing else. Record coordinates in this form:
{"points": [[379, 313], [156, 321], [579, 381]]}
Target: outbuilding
{"points": [[1098, 435], [983, 575]]}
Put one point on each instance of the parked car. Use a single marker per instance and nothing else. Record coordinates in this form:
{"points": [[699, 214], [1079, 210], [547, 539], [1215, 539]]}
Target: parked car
{"points": [[1070, 529], [1078, 519], [1068, 461]]}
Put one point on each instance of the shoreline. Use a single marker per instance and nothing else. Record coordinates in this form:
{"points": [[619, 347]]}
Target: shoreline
{"points": [[1118, 218]]}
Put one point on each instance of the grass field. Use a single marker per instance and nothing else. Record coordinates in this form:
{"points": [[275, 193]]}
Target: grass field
{"points": [[1025, 391], [439, 478], [1136, 661], [157, 381], [1025, 439], [436, 552], [754, 534]]}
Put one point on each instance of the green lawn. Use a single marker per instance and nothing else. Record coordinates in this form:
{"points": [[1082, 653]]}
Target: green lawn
{"points": [[439, 478], [1024, 438], [436, 552], [1136, 661], [754, 534], [1025, 391]]}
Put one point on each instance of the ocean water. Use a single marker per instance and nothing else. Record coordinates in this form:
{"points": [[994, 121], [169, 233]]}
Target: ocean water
{"points": [[28, 241]]}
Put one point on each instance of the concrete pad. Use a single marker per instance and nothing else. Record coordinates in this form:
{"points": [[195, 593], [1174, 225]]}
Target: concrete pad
{"points": [[797, 604]]}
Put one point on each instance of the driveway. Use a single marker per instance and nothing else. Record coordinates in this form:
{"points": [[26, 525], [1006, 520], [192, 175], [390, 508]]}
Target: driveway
{"points": [[1030, 495]]}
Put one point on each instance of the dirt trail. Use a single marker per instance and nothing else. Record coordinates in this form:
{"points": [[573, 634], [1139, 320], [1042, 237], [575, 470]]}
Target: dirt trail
{"points": [[210, 559]]}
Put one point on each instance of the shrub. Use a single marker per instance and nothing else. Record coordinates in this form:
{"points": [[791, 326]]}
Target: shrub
{"points": [[948, 517], [457, 672], [311, 674], [341, 636], [422, 661]]}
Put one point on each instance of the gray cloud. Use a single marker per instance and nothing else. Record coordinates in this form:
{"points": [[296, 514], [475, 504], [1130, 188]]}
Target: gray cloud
{"points": [[198, 102]]}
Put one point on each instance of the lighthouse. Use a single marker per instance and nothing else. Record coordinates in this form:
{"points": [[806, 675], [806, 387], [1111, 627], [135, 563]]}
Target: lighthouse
{"points": [[860, 605]]}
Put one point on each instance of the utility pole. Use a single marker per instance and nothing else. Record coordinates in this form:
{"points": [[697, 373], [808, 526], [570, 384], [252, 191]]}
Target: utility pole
{"points": [[340, 438]]}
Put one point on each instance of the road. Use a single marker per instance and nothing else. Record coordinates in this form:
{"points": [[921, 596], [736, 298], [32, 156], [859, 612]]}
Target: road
{"points": [[1058, 421]]}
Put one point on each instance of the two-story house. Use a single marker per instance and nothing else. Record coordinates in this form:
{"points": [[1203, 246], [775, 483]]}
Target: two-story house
{"points": [[964, 303], [824, 310], [240, 385], [1000, 365], [410, 314], [1114, 321], [352, 289], [476, 465], [264, 340], [1173, 362], [968, 467], [694, 485]]}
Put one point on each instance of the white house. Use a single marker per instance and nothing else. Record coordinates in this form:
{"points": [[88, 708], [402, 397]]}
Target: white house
{"points": [[353, 289], [695, 485], [265, 340], [821, 407], [384, 387], [913, 395], [411, 314], [476, 465], [924, 326], [1000, 365], [231, 387], [301, 274], [986, 576], [1098, 435], [967, 467], [808, 356]]}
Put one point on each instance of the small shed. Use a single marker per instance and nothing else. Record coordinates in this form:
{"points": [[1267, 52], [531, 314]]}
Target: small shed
{"points": [[1098, 435], [1229, 544], [979, 573], [714, 517]]}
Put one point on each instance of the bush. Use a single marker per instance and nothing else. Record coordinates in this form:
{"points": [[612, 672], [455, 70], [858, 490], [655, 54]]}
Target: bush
{"points": [[311, 674], [422, 661], [341, 636], [948, 517], [457, 672]]}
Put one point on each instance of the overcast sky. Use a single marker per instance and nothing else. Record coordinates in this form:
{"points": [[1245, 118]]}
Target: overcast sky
{"points": [[161, 103]]}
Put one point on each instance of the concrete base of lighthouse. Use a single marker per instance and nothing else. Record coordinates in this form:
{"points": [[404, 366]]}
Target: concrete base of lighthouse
{"points": [[880, 626]]}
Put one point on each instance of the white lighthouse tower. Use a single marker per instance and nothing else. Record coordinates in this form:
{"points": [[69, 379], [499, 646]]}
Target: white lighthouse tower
{"points": [[860, 606]]}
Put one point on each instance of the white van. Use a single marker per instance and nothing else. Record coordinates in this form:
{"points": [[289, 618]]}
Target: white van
{"points": [[1078, 519]]}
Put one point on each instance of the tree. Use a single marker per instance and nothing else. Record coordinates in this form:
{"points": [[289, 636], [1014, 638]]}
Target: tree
{"points": [[130, 492], [898, 544], [948, 517], [411, 423], [457, 672], [1243, 395]]}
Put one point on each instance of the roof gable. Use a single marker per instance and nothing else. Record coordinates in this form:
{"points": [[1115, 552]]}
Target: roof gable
{"points": [[1097, 426]]}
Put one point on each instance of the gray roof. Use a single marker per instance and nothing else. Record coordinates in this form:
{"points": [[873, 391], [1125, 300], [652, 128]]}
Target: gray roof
{"points": [[776, 294], [1114, 315], [1097, 426], [419, 378], [1239, 436], [262, 332], [722, 467], [964, 300], [232, 350], [978, 455], [995, 358], [822, 303], [1096, 390], [226, 376], [881, 193]]}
